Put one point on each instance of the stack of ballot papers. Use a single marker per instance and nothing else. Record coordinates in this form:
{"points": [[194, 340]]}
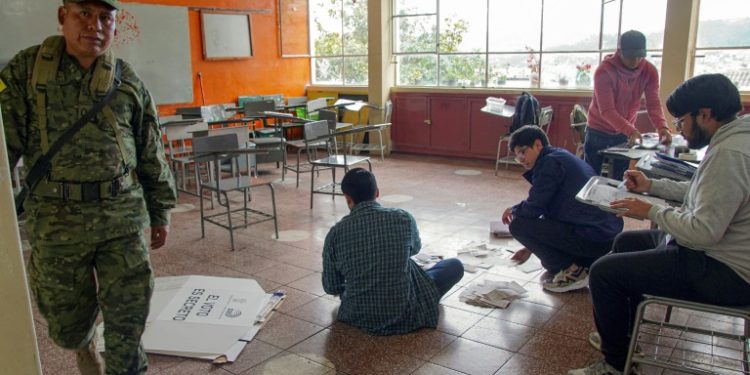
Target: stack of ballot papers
{"points": [[476, 255], [661, 165], [489, 293], [204, 317]]}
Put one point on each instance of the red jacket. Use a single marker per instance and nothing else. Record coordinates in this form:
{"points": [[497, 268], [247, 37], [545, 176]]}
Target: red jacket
{"points": [[617, 96]]}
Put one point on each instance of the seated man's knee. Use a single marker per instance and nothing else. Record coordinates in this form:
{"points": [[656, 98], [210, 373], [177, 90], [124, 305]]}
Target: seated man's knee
{"points": [[456, 267], [520, 227], [604, 267]]}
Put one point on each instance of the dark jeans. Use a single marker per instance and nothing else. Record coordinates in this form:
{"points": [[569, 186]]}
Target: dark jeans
{"points": [[557, 244], [642, 263], [445, 274], [597, 141]]}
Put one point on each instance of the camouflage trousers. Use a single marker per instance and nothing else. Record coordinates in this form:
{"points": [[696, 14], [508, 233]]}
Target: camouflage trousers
{"points": [[73, 282]]}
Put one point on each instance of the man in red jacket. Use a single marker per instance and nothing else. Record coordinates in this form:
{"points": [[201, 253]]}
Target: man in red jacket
{"points": [[619, 83]]}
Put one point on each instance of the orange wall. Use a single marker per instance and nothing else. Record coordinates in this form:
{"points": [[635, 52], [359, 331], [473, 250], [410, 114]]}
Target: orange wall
{"points": [[264, 73]]}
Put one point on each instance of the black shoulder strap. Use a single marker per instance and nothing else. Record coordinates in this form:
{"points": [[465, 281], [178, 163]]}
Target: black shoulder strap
{"points": [[42, 165]]}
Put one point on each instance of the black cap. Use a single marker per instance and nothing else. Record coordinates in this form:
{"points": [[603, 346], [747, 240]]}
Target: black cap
{"points": [[633, 44]]}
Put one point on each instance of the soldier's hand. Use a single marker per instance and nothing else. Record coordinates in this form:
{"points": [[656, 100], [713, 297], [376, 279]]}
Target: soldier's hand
{"points": [[159, 236]]}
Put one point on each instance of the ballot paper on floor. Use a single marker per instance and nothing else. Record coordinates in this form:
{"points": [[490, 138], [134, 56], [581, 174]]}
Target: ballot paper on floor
{"points": [[481, 255], [490, 293], [426, 260], [203, 317], [499, 230]]}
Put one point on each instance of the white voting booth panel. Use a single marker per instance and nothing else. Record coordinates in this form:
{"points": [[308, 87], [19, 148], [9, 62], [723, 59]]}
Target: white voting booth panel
{"points": [[203, 317]]}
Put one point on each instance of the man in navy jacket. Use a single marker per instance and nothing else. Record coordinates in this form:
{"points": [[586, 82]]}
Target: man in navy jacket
{"points": [[566, 235]]}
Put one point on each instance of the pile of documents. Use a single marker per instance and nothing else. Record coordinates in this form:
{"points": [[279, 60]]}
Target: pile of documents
{"points": [[489, 293], [476, 255], [669, 167]]}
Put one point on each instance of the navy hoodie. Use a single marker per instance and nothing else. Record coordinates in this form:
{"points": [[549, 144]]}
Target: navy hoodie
{"points": [[555, 179]]}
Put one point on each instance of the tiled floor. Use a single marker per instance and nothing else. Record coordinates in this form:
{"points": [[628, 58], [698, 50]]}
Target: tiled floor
{"points": [[541, 334]]}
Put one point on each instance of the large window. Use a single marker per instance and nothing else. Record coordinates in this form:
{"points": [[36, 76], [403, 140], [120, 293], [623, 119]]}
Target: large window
{"points": [[554, 44], [723, 44], [338, 35]]}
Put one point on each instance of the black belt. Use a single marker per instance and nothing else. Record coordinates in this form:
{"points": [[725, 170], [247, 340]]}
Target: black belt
{"points": [[84, 191]]}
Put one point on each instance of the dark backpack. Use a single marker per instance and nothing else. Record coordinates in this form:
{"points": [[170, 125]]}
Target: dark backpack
{"points": [[527, 112]]}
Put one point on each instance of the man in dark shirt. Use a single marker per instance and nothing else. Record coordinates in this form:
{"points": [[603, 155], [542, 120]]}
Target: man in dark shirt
{"points": [[565, 234], [367, 262]]}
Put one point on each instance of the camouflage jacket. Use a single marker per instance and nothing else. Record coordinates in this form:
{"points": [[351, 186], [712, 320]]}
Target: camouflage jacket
{"points": [[92, 155]]}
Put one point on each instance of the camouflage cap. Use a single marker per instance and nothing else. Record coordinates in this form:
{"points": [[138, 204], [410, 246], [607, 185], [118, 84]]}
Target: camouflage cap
{"points": [[112, 3]]}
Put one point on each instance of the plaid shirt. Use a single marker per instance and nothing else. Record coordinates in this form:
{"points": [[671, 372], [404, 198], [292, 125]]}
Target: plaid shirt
{"points": [[367, 261]]}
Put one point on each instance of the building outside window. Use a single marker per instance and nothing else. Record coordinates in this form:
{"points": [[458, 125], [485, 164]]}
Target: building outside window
{"points": [[723, 40], [338, 36], [548, 44]]}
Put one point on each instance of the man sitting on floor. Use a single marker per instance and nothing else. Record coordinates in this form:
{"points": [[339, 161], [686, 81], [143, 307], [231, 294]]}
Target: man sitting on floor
{"points": [[367, 262], [566, 235], [708, 258]]}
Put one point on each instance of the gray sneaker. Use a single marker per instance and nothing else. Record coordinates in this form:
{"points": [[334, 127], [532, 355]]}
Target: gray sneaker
{"points": [[566, 281], [600, 367], [595, 340]]}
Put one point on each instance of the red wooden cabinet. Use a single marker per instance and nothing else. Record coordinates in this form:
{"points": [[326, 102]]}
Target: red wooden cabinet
{"points": [[453, 125], [450, 130], [412, 116]]}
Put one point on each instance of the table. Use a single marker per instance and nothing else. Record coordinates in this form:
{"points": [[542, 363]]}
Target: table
{"points": [[634, 154]]}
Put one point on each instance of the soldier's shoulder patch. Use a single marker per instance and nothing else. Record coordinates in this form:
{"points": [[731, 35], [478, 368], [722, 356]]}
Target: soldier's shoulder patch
{"points": [[2, 85]]}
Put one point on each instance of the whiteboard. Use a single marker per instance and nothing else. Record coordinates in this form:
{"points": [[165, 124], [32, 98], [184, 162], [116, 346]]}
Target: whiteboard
{"points": [[154, 39], [226, 35]]}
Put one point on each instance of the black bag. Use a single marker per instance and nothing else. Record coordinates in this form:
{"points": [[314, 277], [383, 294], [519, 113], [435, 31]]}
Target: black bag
{"points": [[527, 112]]}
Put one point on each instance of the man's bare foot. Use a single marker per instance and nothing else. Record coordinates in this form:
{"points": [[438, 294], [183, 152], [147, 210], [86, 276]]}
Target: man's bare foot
{"points": [[521, 256]]}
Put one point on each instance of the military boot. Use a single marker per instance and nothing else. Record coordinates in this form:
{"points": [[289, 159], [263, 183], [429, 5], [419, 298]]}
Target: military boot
{"points": [[89, 361]]}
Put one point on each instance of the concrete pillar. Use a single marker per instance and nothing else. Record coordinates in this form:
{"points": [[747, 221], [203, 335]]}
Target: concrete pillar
{"points": [[381, 61], [680, 29]]}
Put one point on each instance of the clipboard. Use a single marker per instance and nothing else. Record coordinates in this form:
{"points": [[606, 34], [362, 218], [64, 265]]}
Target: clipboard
{"points": [[601, 191]]}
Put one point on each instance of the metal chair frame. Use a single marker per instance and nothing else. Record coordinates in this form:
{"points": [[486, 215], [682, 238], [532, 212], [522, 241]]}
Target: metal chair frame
{"points": [[370, 147], [302, 145], [214, 150], [335, 160], [665, 337], [545, 120]]}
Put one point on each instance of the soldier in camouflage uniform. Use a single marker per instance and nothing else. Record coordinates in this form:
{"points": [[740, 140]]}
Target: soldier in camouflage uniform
{"points": [[86, 218]]}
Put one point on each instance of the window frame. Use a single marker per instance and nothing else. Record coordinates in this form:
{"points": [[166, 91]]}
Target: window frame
{"points": [[537, 49], [698, 51], [342, 57]]}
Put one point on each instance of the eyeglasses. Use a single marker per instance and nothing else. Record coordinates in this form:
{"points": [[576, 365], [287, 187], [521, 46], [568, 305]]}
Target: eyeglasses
{"points": [[679, 121], [521, 154]]}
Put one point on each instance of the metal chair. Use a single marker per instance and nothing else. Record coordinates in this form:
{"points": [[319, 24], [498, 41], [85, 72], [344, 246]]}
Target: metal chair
{"points": [[318, 131], [578, 121], [545, 120], [178, 133], [309, 148], [269, 138], [226, 147], [690, 346], [370, 145]]}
